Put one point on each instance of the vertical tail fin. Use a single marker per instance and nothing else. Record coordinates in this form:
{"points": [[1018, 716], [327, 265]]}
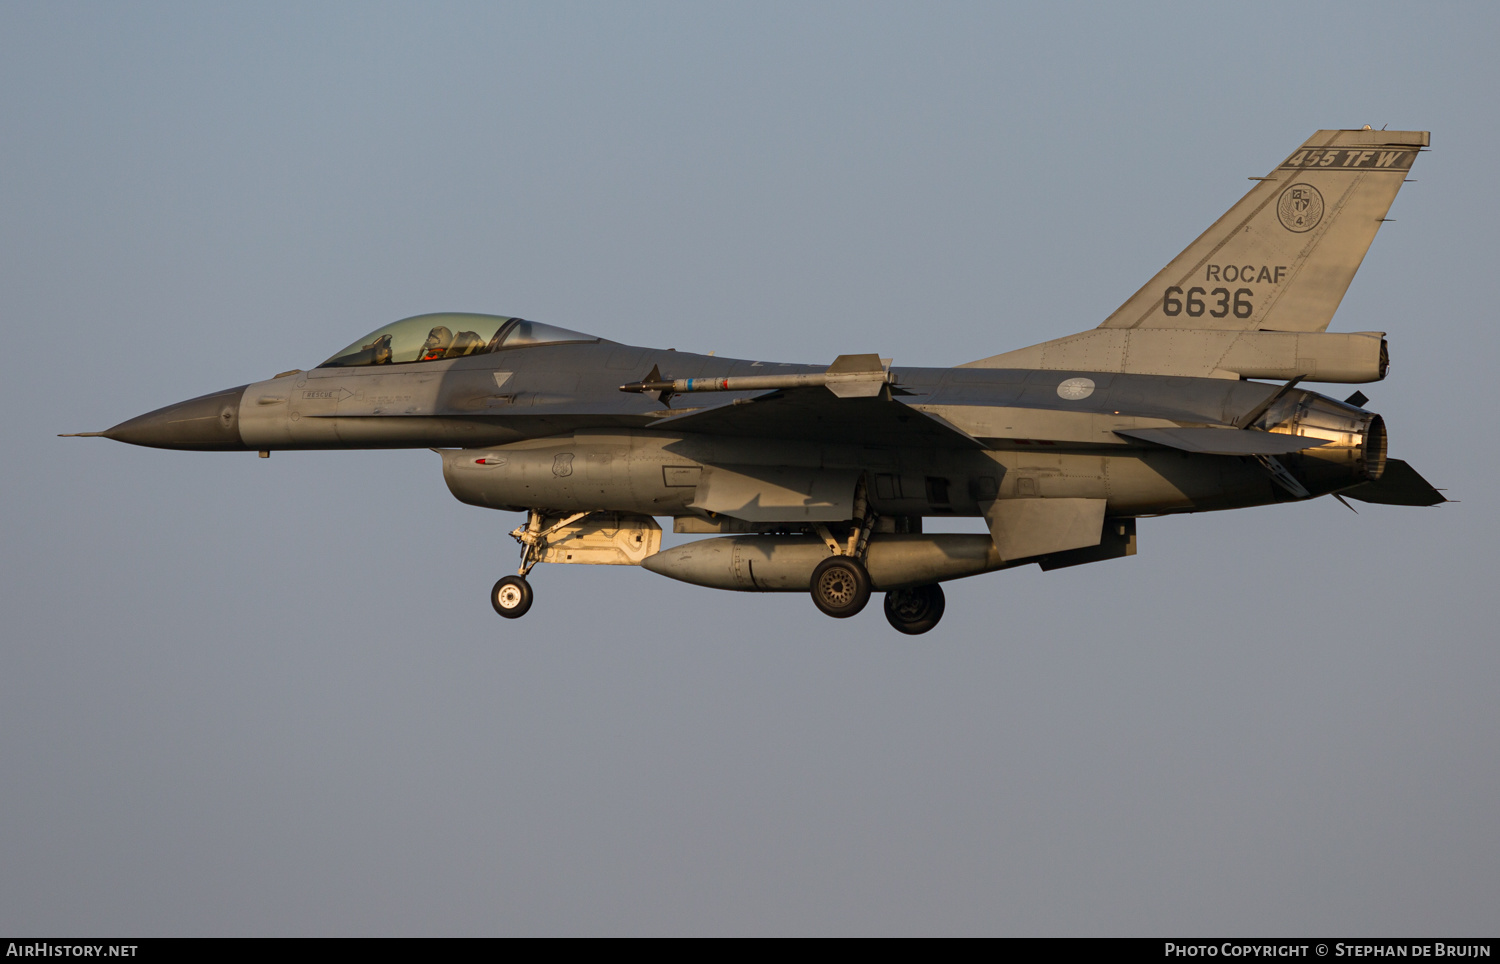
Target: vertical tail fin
{"points": [[1282, 258]]}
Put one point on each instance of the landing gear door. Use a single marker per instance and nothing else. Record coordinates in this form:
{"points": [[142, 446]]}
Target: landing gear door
{"points": [[603, 539]]}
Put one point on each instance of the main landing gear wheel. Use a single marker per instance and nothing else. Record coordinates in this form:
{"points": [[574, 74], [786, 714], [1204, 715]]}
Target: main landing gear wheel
{"points": [[511, 597], [840, 586], [914, 611]]}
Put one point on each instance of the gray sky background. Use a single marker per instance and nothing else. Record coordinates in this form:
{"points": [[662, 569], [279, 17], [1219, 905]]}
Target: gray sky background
{"points": [[244, 696]]}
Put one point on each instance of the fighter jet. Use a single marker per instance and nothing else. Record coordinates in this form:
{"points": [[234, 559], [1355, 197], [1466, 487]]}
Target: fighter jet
{"points": [[826, 479]]}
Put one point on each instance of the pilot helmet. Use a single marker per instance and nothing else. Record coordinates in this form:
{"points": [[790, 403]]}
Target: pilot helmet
{"points": [[438, 340]]}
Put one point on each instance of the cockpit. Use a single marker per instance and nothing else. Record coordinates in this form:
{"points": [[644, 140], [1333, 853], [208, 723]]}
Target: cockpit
{"points": [[449, 335]]}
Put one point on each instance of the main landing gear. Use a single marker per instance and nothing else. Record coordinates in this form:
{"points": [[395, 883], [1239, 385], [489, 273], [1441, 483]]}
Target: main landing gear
{"points": [[840, 585], [914, 611]]}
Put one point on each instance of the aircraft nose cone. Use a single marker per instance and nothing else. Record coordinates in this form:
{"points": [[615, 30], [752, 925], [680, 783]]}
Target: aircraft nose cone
{"points": [[209, 422]]}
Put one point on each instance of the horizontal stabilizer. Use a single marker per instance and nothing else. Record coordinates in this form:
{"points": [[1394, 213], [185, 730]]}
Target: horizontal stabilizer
{"points": [[1399, 484], [1223, 441]]}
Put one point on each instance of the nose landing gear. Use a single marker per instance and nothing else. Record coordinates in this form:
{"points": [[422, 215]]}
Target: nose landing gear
{"points": [[512, 595]]}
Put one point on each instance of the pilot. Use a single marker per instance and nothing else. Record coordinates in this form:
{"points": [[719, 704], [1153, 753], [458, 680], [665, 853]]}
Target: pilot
{"points": [[438, 340]]}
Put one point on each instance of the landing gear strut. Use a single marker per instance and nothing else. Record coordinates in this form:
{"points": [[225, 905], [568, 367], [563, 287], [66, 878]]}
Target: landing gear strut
{"points": [[512, 595], [840, 586], [914, 611]]}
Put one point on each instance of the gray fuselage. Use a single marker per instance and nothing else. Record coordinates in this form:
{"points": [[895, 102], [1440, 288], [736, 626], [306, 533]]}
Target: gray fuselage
{"points": [[548, 426]]}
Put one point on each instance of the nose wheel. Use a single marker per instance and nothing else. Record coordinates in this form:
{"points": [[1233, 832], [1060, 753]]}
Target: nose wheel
{"points": [[914, 611], [511, 597]]}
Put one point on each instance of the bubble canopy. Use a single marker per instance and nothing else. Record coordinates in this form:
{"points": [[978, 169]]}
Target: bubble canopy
{"points": [[448, 335]]}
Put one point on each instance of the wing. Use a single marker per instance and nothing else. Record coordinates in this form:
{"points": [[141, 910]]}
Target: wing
{"points": [[816, 414]]}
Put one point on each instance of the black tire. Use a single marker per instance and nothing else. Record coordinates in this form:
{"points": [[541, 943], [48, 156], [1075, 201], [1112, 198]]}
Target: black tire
{"points": [[914, 611], [511, 597], [840, 586]]}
